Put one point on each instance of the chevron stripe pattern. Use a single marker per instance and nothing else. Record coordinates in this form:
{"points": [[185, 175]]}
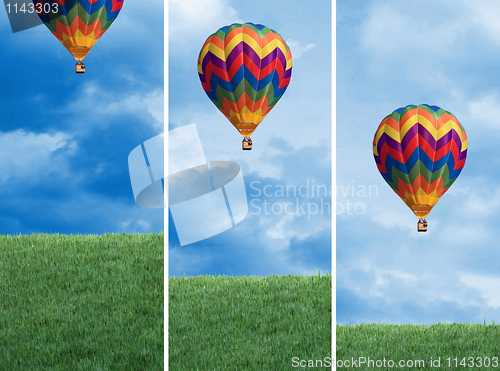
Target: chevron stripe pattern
{"points": [[420, 151], [78, 24], [245, 70]]}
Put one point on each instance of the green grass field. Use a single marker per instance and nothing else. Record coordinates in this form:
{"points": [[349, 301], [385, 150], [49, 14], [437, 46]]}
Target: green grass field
{"points": [[455, 346], [248, 323], [81, 302], [96, 303]]}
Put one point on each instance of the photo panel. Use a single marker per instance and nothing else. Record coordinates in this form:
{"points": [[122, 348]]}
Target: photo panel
{"points": [[81, 138], [249, 184]]}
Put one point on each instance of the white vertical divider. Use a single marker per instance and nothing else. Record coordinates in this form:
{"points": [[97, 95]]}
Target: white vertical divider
{"points": [[165, 188], [334, 183]]}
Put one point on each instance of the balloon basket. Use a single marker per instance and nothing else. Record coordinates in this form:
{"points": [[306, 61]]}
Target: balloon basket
{"points": [[247, 145], [422, 226], [80, 68]]}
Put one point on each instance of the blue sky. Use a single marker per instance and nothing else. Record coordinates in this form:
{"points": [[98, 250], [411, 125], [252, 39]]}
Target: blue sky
{"points": [[65, 138], [292, 146], [391, 54]]}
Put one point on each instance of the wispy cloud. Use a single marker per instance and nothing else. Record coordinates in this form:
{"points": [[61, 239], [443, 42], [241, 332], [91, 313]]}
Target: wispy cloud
{"points": [[29, 155], [298, 48], [192, 21], [485, 111], [487, 286], [96, 104]]}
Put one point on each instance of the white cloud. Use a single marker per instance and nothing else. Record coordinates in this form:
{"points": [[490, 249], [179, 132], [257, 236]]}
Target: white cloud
{"points": [[389, 29], [407, 276], [462, 233], [482, 205], [134, 23], [488, 286], [27, 154], [486, 16], [282, 229], [143, 224], [485, 111], [98, 102], [390, 219], [195, 20], [125, 224], [297, 48], [410, 39]]}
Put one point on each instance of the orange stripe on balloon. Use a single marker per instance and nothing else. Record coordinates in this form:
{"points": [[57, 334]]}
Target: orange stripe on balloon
{"points": [[392, 123], [429, 116], [408, 115], [62, 29], [240, 105]]}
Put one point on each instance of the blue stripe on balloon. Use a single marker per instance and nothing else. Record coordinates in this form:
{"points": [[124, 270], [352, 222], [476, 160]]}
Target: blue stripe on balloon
{"points": [[419, 154], [244, 72]]}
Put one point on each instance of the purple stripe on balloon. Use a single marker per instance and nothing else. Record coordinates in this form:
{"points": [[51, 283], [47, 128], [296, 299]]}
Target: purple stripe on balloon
{"points": [[234, 54], [458, 139], [247, 49], [394, 144], [270, 58], [204, 62], [443, 140], [451, 135], [276, 53], [202, 78], [462, 155], [409, 135], [426, 135], [252, 55], [281, 57], [380, 143], [216, 61]]}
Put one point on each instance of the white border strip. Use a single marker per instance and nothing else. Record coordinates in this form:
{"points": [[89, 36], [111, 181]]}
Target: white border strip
{"points": [[165, 182], [334, 183]]}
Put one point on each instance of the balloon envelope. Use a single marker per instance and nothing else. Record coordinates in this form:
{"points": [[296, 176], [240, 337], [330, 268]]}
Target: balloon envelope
{"points": [[245, 69], [78, 24], [420, 151]]}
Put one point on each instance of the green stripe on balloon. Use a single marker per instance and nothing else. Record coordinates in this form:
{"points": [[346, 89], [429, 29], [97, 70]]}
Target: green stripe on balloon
{"points": [[245, 87], [79, 11], [420, 169]]}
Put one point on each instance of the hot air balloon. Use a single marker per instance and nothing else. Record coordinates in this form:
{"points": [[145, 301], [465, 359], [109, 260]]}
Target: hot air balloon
{"points": [[420, 151], [245, 70], [78, 24]]}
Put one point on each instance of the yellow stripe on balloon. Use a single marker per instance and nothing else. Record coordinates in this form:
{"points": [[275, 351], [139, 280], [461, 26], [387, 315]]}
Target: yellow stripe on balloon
{"points": [[273, 45], [431, 128], [409, 123], [391, 132], [215, 50], [464, 145], [238, 38], [203, 52]]}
